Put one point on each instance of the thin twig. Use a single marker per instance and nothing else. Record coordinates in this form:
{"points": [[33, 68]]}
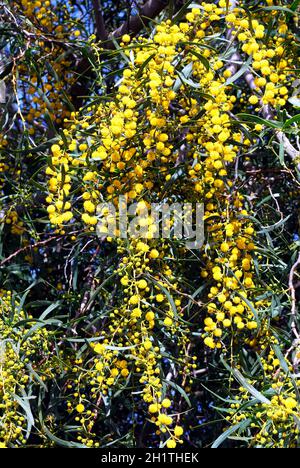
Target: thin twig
{"points": [[30, 247], [85, 303]]}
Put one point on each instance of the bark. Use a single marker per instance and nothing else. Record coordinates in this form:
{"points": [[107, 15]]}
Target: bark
{"points": [[101, 31], [136, 23], [2, 92], [2, 84]]}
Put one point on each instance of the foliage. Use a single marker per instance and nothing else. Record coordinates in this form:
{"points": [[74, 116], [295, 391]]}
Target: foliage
{"points": [[128, 341]]}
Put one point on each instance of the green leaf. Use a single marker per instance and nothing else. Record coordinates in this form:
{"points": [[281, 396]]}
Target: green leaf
{"points": [[291, 121], [99, 289], [279, 8], [61, 442], [120, 348], [169, 296], [40, 324], [250, 305], [184, 78], [120, 50], [259, 120], [36, 376], [225, 400], [24, 403], [179, 390], [285, 367], [241, 379], [49, 310], [295, 5], [202, 59], [143, 66], [283, 363], [180, 14], [255, 393], [195, 294], [240, 73], [238, 427], [266, 229]]}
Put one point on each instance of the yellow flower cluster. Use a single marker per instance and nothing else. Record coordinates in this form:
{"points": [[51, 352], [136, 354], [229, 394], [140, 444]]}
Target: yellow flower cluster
{"points": [[42, 97], [46, 96], [273, 423], [59, 208], [16, 352], [107, 368], [168, 135], [11, 218], [129, 348], [3, 165], [271, 59], [3, 169]]}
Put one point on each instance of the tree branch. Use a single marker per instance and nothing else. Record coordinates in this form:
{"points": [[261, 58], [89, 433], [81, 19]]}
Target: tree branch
{"points": [[43, 243], [2, 92], [136, 23], [267, 111], [101, 32]]}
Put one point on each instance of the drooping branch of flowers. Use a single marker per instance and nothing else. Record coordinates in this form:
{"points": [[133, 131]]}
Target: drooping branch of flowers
{"points": [[268, 113]]}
